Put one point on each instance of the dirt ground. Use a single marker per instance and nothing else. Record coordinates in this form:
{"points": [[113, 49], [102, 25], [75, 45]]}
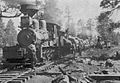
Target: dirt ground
{"points": [[40, 79], [74, 66]]}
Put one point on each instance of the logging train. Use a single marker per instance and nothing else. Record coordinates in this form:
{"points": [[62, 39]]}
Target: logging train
{"points": [[37, 39]]}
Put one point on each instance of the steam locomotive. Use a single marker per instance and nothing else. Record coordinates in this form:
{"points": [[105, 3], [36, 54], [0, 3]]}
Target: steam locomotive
{"points": [[37, 40], [35, 37]]}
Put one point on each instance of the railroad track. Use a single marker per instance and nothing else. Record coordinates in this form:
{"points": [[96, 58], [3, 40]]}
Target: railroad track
{"points": [[23, 75], [16, 75]]}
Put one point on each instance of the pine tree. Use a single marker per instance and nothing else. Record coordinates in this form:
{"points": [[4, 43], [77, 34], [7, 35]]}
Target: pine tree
{"points": [[11, 33], [2, 33]]}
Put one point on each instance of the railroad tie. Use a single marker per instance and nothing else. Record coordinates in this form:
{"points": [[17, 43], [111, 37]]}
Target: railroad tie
{"points": [[24, 77], [15, 81], [30, 75], [20, 79]]}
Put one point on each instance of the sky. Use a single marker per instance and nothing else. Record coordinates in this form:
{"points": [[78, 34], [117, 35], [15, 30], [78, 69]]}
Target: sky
{"points": [[81, 9]]}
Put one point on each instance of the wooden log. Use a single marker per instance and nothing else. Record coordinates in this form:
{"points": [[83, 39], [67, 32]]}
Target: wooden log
{"points": [[70, 77]]}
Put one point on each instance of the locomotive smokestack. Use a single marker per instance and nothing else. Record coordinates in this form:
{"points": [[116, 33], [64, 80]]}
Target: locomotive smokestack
{"points": [[29, 9]]}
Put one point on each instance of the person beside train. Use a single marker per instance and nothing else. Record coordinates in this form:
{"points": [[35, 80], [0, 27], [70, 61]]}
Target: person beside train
{"points": [[74, 45], [80, 45], [65, 44]]}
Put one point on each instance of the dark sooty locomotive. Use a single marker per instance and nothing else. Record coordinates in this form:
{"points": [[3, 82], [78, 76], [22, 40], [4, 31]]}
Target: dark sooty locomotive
{"points": [[35, 36]]}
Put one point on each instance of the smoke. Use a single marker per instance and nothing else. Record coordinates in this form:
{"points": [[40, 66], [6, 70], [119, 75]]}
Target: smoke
{"points": [[51, 12]]}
